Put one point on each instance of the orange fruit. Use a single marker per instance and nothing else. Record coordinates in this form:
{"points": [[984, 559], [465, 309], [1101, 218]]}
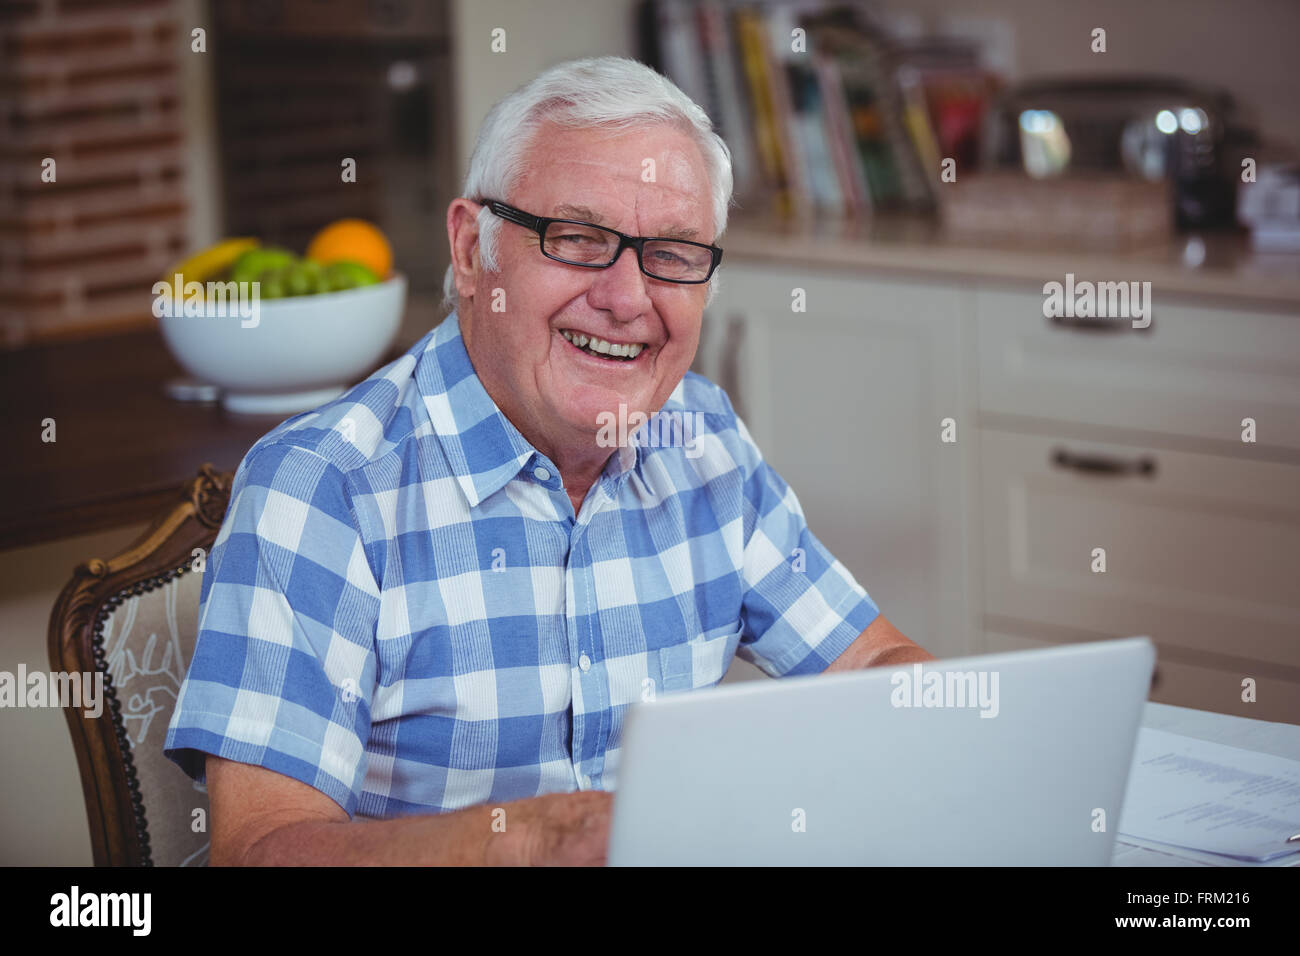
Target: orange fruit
{"points": [[353, 240]]}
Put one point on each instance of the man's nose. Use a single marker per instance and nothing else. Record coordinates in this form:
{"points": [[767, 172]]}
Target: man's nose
{"points": [[621, 289]]}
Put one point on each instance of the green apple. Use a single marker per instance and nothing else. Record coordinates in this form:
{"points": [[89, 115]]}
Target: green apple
{"points": [[304, 277], [272, 284], [255, 262], [345, 274]]}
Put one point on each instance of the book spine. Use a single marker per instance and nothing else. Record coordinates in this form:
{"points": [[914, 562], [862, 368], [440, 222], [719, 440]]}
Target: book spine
{"points": [[680, 49], [862, 98], [770, 148], [848, 165], [916, 118], [811, 119], [732, 119], [776, 48]]}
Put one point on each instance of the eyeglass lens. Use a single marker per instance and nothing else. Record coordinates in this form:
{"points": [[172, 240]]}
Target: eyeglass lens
{"points": [[591, 245]]}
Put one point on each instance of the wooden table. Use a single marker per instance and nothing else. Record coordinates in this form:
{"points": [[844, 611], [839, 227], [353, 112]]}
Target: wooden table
{"points": [[122, 447]]}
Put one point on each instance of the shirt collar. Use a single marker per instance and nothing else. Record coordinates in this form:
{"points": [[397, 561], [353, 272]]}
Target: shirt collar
{"points": [[484, 449]]}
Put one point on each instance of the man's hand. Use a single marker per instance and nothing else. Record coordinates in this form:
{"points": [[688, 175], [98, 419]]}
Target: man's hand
{"points": [[566, 829]]}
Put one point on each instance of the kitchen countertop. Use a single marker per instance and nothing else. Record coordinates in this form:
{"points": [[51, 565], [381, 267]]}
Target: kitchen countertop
{"points": [[1206, 264]]}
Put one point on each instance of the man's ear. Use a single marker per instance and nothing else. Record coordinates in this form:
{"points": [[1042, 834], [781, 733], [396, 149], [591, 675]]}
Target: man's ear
{"points": [[462, 235]]}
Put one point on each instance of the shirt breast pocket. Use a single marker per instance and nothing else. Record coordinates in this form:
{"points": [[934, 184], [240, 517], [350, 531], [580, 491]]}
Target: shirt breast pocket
{"points": [[699, 662]]}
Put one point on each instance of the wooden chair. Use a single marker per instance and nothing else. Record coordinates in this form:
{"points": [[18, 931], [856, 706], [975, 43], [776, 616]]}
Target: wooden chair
{"points": [[135, 618]]}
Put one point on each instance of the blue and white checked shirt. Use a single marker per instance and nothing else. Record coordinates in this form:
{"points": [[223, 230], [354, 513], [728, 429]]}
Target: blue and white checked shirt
{"points": [[402, 610]]}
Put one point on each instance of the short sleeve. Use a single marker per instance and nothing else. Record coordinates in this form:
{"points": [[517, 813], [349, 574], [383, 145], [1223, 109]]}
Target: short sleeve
{"points": [[801, 607], [284, 664]]}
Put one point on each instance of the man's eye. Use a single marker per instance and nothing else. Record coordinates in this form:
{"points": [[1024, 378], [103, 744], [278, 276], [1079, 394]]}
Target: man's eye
{"points": [[668, 258], [576, 239]]}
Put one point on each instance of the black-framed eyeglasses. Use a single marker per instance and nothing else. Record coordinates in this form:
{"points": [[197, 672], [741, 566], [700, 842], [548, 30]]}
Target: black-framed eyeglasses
{"points": [[585, 244]]}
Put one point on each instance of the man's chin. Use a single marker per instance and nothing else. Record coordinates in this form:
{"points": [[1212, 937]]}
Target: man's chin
{"points": [[607, 422], [587, 406]]}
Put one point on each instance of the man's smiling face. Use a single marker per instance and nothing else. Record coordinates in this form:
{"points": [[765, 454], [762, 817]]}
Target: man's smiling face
{"points": [[549, 387]]}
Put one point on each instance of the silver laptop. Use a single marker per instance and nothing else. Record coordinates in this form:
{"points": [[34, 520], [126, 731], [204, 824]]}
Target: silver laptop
{"points": [[1016, 759]]}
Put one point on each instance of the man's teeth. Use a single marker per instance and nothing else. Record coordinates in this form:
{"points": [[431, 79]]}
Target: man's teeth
{"points": [[593, 344]]}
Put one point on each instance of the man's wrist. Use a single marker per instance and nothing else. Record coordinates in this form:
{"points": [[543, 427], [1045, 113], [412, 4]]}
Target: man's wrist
{"points": [[901, 654], [507, 835]]}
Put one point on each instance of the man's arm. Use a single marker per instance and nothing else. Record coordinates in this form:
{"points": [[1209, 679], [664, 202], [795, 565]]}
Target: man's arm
{"points": [[262, 818], [881, 643]]}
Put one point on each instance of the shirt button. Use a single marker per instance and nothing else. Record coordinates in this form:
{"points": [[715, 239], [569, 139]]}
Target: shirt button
{"points": [[584, 662], [586, 782], [541, 474]]}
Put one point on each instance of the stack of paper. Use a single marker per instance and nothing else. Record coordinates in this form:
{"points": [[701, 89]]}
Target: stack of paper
{"points": [[1206, 797]]}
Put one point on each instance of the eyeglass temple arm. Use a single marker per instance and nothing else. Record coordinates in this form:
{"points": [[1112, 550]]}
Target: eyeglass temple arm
{"points": [[513, 215]]}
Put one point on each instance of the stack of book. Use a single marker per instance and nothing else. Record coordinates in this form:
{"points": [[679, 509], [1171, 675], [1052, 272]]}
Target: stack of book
{"points": [[821, 109]]}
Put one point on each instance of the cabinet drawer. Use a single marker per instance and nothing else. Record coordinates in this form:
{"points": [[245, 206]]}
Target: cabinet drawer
{"points": [[1195, 685], [1196, 372], [1201, 551]]}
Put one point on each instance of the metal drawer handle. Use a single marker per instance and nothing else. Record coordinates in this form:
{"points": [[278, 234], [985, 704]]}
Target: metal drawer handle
{"points": [[1092, 324], [1104, 464]]}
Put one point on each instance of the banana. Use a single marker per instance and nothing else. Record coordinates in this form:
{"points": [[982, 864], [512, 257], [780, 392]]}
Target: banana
{"points": [[211, 261]]}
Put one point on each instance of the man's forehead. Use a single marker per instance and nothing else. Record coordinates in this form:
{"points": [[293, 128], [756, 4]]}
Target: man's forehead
{"points": [[601, 176], [671, 229]]}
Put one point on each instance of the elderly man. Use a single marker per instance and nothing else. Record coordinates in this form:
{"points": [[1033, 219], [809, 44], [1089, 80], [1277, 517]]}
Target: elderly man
{"points": [[433, 599]]}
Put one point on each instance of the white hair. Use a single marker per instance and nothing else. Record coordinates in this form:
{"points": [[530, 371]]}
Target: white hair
{"points": [[607, 92]]}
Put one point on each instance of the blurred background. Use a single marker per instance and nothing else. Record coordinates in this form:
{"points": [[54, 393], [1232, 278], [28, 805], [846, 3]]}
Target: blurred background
{"points": [[910, 176]]}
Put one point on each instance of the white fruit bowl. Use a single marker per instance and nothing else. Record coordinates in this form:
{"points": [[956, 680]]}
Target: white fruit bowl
{"points": [[302, 352]]}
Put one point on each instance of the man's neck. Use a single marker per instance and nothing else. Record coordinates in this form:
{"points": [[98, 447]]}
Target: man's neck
{"points": [[580, 468], [577, 455]]}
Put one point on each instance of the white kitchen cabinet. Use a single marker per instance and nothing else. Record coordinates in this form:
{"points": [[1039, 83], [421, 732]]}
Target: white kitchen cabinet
{"points": [[1201, 551], [846, 400], [1205, 685], [1196, 372], [1131, 441], [1068, 440]]}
